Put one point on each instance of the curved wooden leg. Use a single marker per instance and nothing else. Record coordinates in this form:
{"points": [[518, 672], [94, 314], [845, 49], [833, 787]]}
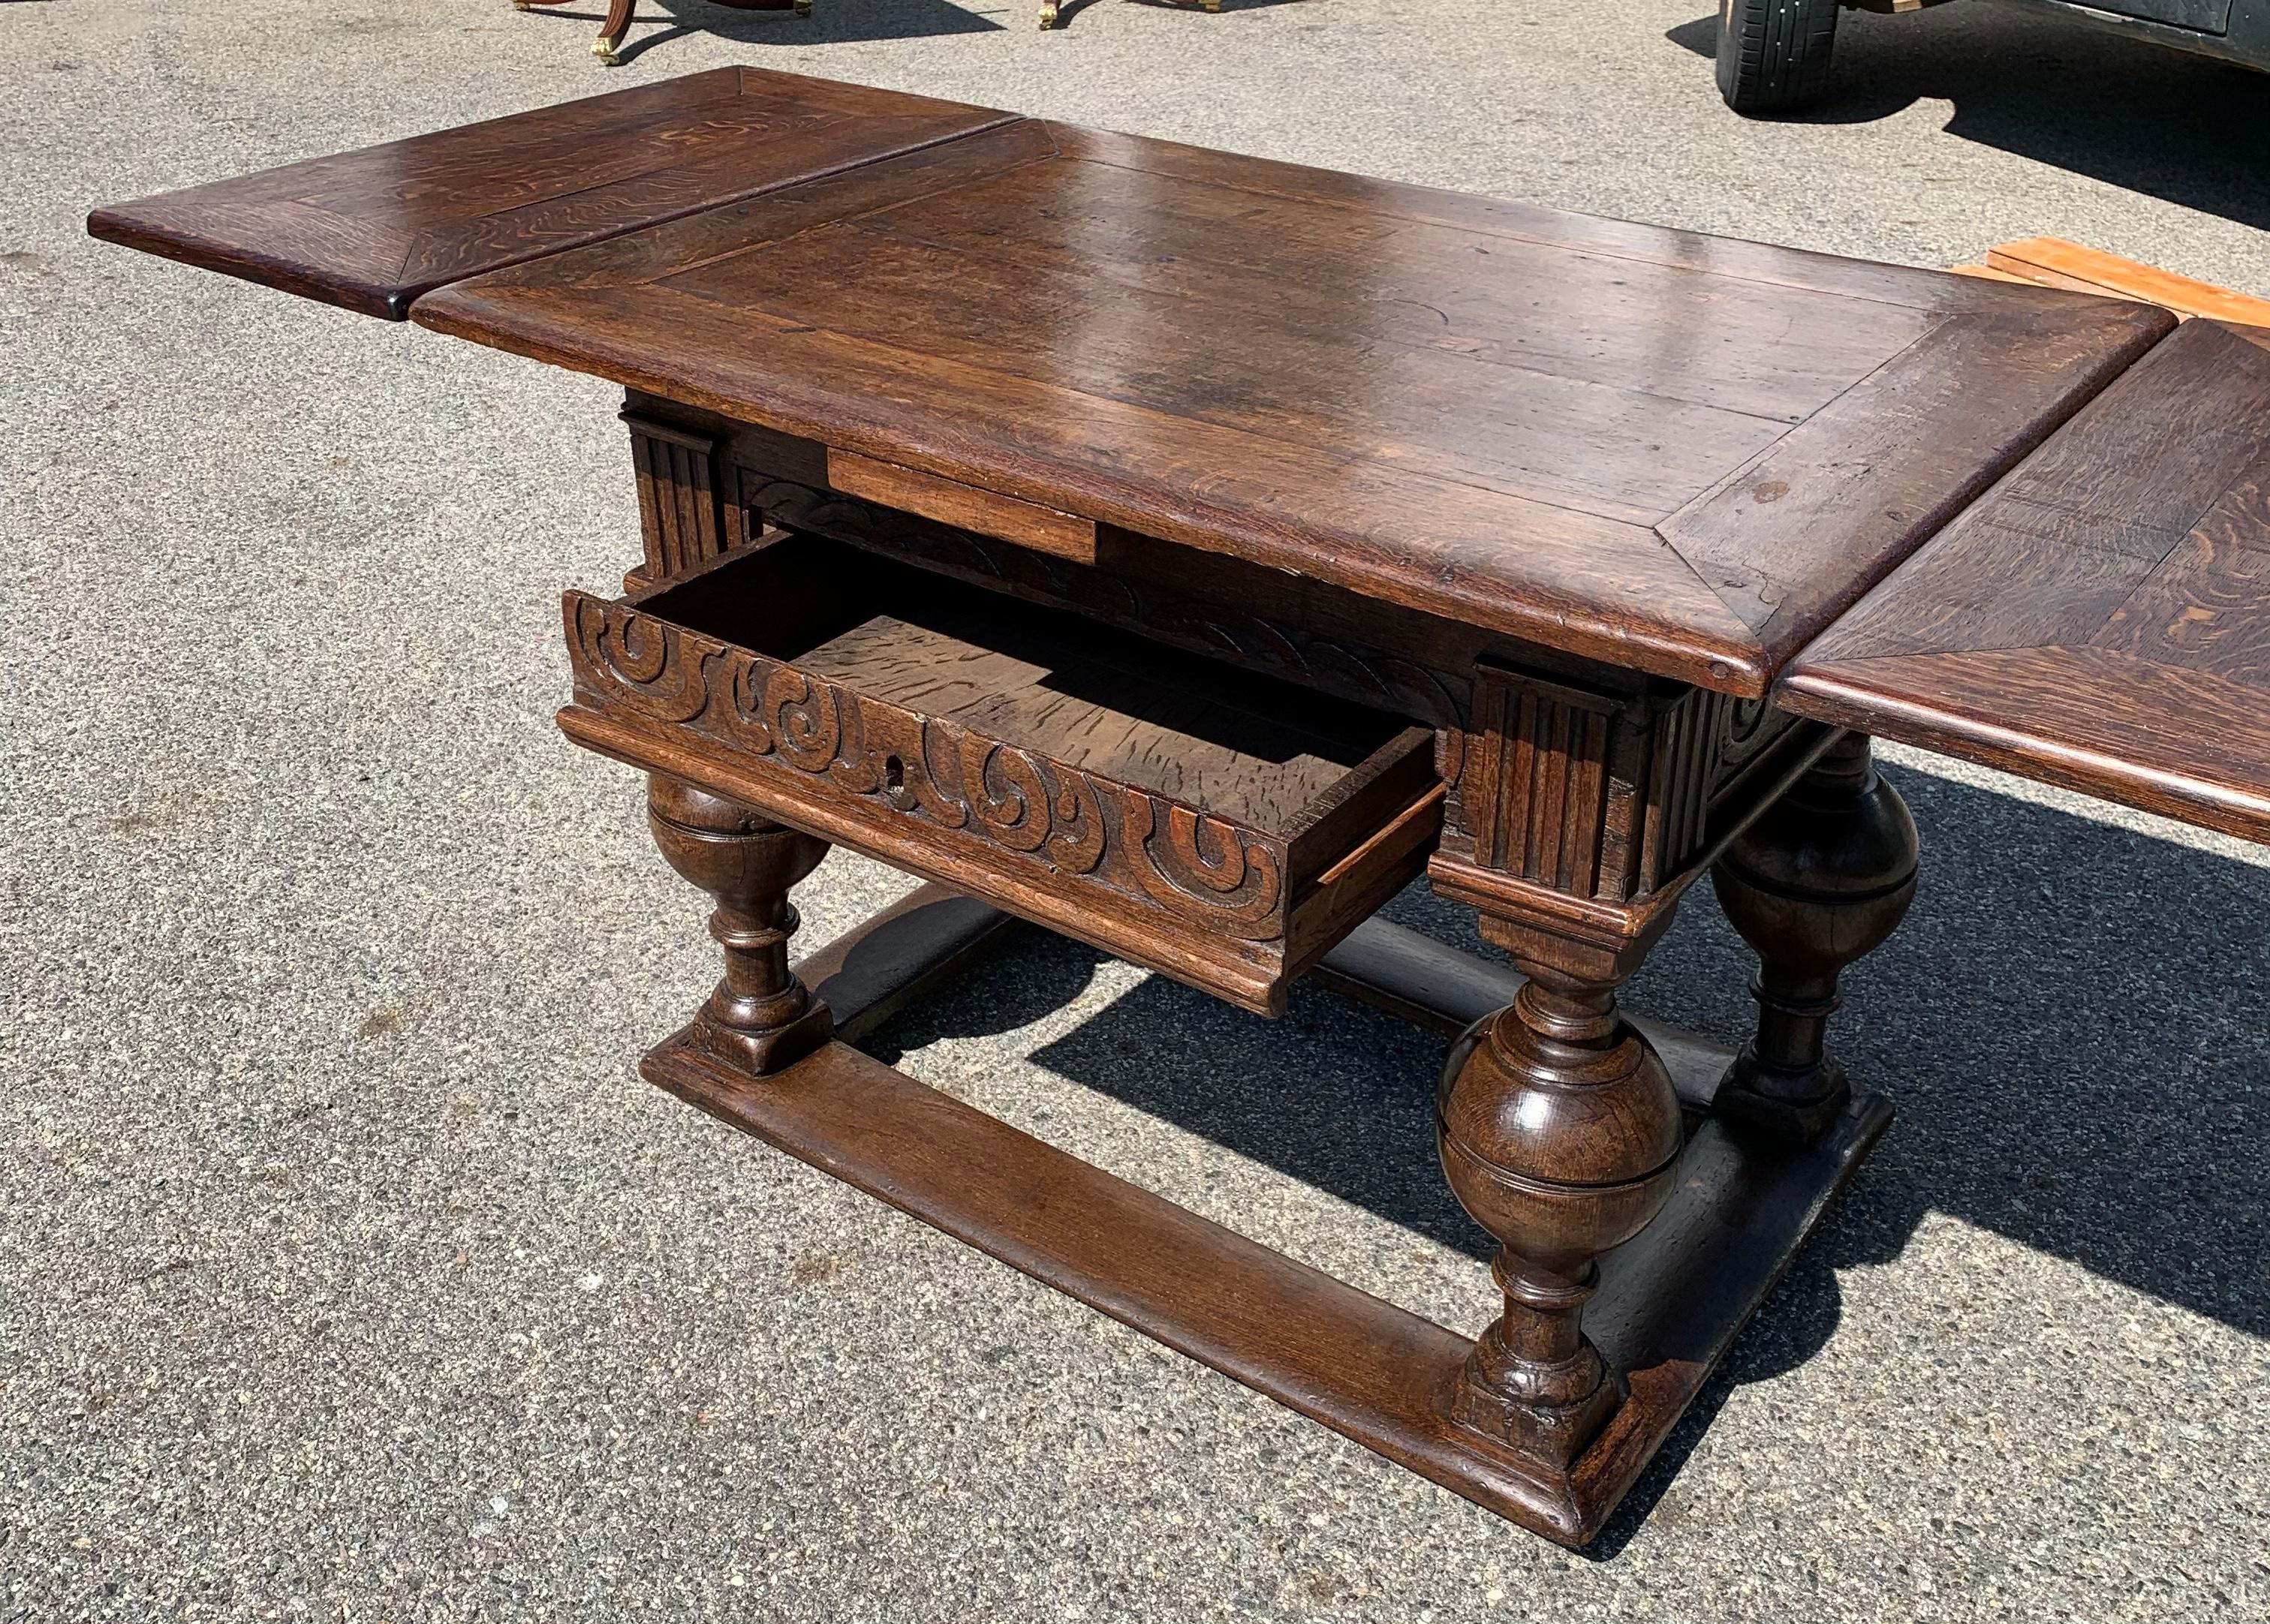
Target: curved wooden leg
{"points": [[761, 1016], [612, 30], [1819, 880], [1560, 1135]]}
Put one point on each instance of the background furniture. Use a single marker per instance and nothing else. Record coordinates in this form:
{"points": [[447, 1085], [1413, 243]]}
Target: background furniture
{"points": [[618, 21]]}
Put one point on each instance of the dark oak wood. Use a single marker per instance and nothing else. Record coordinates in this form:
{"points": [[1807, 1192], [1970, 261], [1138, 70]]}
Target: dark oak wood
{"points": [[1181, 549], [894, 958], [761, 1016], [948, 501], [1436, 987], [2102, 618], [1215, 826], [1645, 449], [1820, 880], [373, 229], [1374, 1371]]}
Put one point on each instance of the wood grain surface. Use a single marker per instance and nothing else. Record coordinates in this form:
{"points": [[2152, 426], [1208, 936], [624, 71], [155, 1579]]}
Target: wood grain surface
{"points": [[373, 229], [2052, 262], [2102, 619], [1660, 451], [1657, 450]]}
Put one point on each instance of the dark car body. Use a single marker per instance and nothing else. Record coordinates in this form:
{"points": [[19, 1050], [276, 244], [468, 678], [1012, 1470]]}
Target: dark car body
{"points": [[2234, 30]]}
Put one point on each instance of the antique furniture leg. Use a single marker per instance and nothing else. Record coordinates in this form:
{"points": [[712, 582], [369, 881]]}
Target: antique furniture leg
{"points": [[761, 1017], [1817, 882], [1638, 1231], [618, 21], [612, 32], [1561, 1134]]}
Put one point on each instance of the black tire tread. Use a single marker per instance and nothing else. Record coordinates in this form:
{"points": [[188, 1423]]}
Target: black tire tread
{"points": [[1774, 55]]}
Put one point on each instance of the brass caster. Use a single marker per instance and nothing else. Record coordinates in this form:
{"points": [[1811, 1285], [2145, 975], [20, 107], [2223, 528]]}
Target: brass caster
{"points": [[1214, 6], [603, 48], [1047, 17], [803, 8]]}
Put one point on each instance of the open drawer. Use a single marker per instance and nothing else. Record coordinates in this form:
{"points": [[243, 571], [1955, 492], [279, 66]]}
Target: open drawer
{"points": [[1220, 827]]}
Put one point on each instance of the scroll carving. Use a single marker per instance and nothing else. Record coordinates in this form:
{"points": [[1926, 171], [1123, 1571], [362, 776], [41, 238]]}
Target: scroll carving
{"points": [[1030, 812], [652, 671]]}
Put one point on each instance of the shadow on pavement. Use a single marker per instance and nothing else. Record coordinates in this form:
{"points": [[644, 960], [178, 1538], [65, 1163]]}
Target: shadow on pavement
{"points": [[2070, 1024], [2184, 128], [832, 22]]}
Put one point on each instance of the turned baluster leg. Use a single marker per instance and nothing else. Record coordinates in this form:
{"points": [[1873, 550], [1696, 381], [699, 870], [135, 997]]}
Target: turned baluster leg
{"points": [[1821, 878], [1560, 1135], [761, 1016]]}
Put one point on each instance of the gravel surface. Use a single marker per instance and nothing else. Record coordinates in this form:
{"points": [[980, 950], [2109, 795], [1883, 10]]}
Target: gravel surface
{"points": [[349, 1272]]}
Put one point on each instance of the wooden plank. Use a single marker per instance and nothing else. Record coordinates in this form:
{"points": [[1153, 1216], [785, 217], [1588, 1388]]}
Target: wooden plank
{"points": [[964, 507], [1989, 274], [1792, 539], [2102, 619], [371, 229], [1502, 418], [2055, 548], [2186, 744], [1668, 1306], [894, 958], [1221, 248], [2056, 263]]}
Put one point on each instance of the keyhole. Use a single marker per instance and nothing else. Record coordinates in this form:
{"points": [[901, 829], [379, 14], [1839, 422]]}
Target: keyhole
{"points": [[894, 776]]}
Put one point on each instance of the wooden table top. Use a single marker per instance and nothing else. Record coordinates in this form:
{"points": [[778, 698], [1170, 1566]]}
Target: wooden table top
{"points": [[373, 229], [2102, 619], [1671, 453]]}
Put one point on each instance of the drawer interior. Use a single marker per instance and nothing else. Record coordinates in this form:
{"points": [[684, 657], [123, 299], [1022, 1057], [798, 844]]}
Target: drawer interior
{"points": [[1280, 760]]}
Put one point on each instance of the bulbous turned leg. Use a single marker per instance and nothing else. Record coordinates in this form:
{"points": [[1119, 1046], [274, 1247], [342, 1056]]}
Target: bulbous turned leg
{"points": [[1560, 1135], [761, 1016], [1819, 880]]}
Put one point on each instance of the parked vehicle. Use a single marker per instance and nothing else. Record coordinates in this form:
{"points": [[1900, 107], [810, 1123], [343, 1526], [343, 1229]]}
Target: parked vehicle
{"points": [[1774, 55]]}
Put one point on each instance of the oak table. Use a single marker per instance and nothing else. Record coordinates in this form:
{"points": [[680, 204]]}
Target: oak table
{"points": [[1182, 551]]}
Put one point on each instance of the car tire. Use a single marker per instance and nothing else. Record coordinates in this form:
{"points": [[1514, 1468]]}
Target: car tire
{"points": [[1774, 55]]}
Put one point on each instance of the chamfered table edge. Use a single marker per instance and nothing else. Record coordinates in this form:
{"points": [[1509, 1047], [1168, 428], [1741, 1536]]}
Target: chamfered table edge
{"points": [[391, 300], [1826, 693]]}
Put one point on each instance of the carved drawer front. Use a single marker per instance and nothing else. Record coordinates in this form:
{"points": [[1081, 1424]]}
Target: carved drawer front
{"points": [[1214, 825]]}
